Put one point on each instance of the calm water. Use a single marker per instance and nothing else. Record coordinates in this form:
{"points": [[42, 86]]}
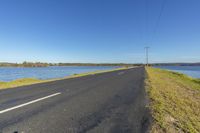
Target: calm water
{"points": [[12, 73], [193, 71]]}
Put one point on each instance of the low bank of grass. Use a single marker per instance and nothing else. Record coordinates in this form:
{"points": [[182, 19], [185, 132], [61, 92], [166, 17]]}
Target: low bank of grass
{"points": [[18, 82], [30, 81], [174, 101]]}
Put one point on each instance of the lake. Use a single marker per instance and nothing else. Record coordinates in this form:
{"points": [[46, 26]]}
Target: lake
{"points": [[193, 71], [13, 73]]}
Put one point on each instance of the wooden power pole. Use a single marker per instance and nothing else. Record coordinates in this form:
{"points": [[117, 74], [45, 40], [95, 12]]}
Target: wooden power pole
{"points": [[147, 55]]}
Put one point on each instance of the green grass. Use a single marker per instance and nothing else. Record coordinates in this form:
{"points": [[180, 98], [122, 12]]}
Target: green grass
{"points": [[19, 82], [174, 101], [30, 81]]}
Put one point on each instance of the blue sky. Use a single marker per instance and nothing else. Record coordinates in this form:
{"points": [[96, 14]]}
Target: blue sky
{"points": [[99, 31]]}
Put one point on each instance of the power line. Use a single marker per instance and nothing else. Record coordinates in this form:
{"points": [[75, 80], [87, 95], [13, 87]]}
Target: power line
{"points": [[158, 20], [146, 20], [155, 28]]}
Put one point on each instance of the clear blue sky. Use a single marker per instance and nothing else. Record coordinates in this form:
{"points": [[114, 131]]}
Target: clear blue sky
{"points": [[99, 30]]}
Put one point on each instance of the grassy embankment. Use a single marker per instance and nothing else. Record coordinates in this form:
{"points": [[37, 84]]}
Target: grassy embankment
{"points": [[174, 101], [29, 81]]}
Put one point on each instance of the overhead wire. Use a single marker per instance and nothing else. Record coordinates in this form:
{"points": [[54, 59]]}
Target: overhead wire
{"points": [[163, 4], [146, 20], [147, 36]]}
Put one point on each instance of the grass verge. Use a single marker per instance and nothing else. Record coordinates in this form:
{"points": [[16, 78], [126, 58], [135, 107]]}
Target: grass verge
{"points": [[30, 81], [174, 101]]}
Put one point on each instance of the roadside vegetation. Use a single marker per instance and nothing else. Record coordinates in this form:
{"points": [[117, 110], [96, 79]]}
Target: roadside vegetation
{"points": [[19, 82], [30, 81], [174, 101]]}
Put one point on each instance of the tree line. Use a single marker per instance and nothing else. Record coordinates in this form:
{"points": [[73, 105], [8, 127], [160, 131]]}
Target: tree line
{"points": [[42, 64]]}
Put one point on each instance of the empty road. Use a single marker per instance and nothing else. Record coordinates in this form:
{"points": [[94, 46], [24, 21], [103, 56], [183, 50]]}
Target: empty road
{"points": [[112, 102]]}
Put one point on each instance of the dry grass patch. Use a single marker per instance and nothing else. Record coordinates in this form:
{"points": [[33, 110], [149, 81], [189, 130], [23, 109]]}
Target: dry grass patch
{"points": [[19, 82], [175, 101]]}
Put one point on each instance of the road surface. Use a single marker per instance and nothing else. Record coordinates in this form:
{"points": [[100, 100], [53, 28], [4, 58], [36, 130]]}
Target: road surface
{"points": [[112, 102]]}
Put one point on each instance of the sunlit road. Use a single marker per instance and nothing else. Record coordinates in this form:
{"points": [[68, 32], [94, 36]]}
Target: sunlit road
{"points": [[112, 102]]}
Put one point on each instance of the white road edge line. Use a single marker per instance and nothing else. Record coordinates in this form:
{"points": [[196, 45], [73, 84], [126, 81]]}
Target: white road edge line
{"points": [[28, 103]]}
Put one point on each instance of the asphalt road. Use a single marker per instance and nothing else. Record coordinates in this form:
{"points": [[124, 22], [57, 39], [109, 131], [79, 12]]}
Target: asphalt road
{"points": [[112, 102]]}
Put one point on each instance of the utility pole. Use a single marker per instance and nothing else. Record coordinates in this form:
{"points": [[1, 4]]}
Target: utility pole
{"points": [[147, 55]]}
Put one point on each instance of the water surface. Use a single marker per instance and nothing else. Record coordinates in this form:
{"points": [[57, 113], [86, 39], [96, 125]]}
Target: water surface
{"points": [[13, 73], [193, 71]]}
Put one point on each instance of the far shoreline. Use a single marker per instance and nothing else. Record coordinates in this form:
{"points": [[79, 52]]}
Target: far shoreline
{"points": [[42, 64]]}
